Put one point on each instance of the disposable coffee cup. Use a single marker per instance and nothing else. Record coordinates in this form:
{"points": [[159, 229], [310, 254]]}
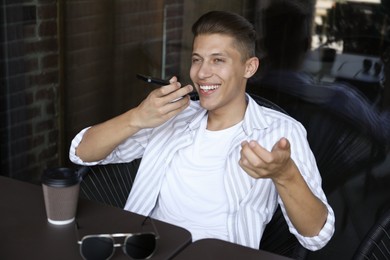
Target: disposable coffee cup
{"points": [[61, 192]]}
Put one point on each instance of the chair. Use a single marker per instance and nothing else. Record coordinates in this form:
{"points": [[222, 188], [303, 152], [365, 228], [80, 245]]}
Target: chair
{"points": [[278, 239], [111, 184], [108, 184], [342, 147], [376, 243]]}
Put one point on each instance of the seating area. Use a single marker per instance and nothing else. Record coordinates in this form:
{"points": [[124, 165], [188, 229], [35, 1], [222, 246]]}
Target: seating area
{"points": [[358, 205], [353, 159], [376, 244], [110, 184], [342, 145], [354, 153]]}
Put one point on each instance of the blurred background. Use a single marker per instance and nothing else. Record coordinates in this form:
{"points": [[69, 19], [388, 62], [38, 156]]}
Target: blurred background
{"points": [[66, 65]]}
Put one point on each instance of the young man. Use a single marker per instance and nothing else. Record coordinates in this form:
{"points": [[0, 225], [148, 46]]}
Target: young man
{"points": [[219, 166]]}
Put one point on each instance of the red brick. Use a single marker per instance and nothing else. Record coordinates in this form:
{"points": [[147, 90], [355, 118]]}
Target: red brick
{"points": [[44, 94], [29, 31], [43, 126], [21, 99], [44, 78], [24, 115], [25, 14], [44, 45], [20, 131], [48, 152], [53, 136], [18, 83], [38, 140], [47, 28], [45, 12], [20, 32], [50, 109], [50, 61]]}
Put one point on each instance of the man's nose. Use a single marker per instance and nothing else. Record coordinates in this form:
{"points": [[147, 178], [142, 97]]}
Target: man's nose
{"points": [[205, 70]]}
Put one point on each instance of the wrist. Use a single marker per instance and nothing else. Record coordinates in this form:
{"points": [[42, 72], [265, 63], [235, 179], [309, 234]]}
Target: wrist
{"points": [[132, 122], [287, 174]]}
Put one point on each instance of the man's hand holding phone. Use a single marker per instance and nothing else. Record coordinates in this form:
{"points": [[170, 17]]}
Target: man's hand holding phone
{"points": [[162, 103]]}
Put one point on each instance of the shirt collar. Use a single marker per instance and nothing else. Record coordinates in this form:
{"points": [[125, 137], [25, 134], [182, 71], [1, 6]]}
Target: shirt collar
{"points": [[194, 121], [254, 117]]}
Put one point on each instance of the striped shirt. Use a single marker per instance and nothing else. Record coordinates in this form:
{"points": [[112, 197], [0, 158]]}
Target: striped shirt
{"points": [[252, 202]]}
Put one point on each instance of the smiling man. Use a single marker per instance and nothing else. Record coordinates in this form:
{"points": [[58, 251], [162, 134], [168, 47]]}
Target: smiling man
{"points": [[219, 166]]}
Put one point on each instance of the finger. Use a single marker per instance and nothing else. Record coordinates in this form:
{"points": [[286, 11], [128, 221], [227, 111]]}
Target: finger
{"points": [[286, 142], [260, 151], [180, 93], [173, 79], [168, 89], [249, 171], [180, 104], [248, 168], [249, 156], [282, 144], [175, 108]]}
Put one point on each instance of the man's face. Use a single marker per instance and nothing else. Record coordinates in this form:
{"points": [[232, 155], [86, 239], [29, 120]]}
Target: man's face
{"points": [[218, 72]]}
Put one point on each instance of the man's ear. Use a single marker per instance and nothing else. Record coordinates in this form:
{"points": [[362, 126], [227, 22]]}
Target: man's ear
{"points": [[252, 64]]}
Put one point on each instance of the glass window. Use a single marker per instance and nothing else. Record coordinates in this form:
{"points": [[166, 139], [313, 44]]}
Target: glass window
{"points": [[66, 65]]}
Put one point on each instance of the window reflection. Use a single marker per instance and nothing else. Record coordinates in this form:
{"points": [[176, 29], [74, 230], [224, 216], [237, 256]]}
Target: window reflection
{"points": [[69, 64], [351, 39]]}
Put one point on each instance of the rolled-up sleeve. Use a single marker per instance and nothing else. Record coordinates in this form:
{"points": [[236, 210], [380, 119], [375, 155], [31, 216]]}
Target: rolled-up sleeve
{"points": [[73, 147], [306, 163], [317, 242], [130, 149]]}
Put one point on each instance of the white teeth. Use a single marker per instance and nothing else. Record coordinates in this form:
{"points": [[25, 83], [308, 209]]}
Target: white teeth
{"points": [[209, 87]]}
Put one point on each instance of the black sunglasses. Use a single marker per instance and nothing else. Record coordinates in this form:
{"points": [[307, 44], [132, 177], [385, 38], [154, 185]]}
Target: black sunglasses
{"points": [[135, 245]]}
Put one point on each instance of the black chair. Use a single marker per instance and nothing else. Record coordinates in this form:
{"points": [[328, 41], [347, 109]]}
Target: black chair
{"points": [[342, 147], [108, 184], [376, 243], [111, 184]]}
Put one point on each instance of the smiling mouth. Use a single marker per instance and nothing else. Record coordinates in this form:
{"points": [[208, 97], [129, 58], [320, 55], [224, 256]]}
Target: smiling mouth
{"points": [[207, 88]]}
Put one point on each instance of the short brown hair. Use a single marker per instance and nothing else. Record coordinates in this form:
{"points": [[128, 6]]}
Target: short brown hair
{"points": [[231, 24]]}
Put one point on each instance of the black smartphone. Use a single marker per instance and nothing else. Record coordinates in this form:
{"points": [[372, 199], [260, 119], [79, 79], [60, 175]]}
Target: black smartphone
{"points": [[152, 80], [163, 82]]}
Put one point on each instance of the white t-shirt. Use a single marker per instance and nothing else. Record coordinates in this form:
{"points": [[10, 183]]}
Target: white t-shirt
{"points": [[193, 194]]}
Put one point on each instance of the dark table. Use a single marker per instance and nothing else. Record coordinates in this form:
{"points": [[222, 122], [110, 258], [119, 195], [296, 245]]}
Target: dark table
{"points": [[210, 249], [26, 233]]}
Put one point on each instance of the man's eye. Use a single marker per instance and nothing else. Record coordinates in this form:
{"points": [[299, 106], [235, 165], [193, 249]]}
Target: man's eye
{"points": [[195, 60], [218, 60]]}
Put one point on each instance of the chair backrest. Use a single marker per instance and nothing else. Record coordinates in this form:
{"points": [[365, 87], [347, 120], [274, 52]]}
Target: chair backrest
{"points": [[109, 184], [341, 147], [267, 103], [376, 243], [278, 239]]}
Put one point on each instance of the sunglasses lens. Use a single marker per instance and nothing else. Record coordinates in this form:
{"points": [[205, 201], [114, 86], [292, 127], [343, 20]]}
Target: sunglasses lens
{"points": [[140, 246], [97, 248]]}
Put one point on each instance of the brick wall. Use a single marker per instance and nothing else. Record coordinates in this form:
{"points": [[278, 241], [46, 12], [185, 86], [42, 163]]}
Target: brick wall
{"points": [[29, 87], [106, 45], [103, 44]]}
